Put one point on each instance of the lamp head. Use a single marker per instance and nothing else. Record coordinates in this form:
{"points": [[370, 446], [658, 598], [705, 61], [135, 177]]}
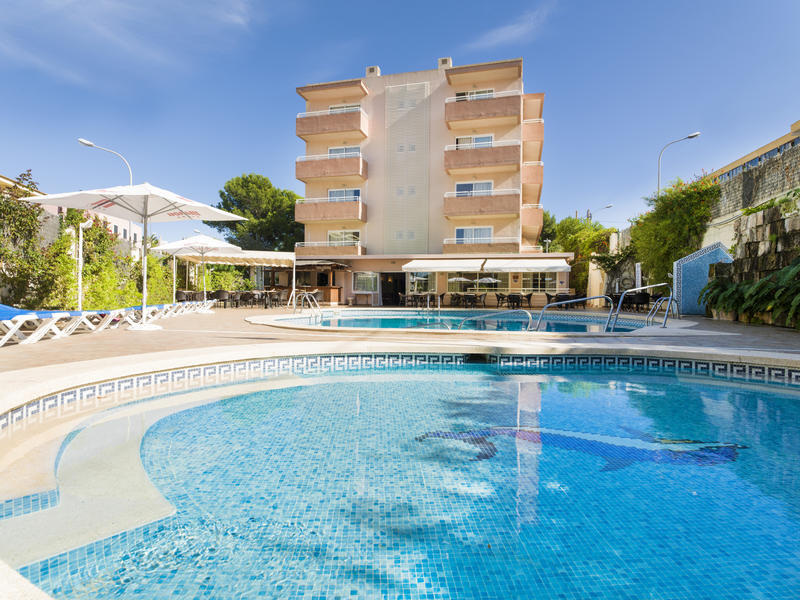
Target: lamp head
{"points": [[609, 206], [693, 135], [86, 142]]}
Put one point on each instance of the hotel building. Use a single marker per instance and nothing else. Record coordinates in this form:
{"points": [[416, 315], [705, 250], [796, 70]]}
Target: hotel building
{"points": [[425, 181]]}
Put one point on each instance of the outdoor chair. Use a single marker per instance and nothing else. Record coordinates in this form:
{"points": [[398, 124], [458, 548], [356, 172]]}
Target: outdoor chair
{"points": [[527, 298], [180, 296], [550, 298], [482, 299], [502, 299], [222, 297], [640, 301], [456, 299], [403, 299], [441, 298], [247, 298]]}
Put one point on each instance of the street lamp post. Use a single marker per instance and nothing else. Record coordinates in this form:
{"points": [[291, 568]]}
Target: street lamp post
{"points": [[547, 245], [589, 212], [89, 144], [688, 137]]}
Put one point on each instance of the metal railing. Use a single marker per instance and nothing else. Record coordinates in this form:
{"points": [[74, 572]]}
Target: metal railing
{"points": [[577, 301], [331, 111], [330, 199], [491, 240], [487, 316], [639, 289], [475, 145], [484, 96], [306, 157], [671, 304], [309, 298], [533, 248], [330, 244], [471, 193]]}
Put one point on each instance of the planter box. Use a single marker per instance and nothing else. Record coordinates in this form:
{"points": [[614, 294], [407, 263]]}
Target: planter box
{"points": [[724, 316]]}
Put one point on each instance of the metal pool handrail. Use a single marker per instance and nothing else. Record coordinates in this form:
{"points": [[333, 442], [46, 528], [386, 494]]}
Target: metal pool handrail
{"points": [[639, 289], [576, 300], [495, 314], [672, 304]]}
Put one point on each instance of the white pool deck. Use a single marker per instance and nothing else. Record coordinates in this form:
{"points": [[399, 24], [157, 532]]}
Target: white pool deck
{"points": [[89, 468]]}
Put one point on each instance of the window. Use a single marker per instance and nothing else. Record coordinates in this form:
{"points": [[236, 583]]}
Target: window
{"points": [[421, 282], [474, 141], [473, 235], [134, 237], [124, 234], [343, 108], [474, 95], [400, 148], [344, 238], [412, 191], [474, 188], [399, 191], [412, 147], [344, 151], [116, 230], [365, 282], [538, 282], [344, 195]]}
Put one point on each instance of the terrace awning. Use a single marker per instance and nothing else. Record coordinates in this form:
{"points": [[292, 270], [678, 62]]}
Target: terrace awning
{"points": [[526, 265], [251, 258], [453, 265]]}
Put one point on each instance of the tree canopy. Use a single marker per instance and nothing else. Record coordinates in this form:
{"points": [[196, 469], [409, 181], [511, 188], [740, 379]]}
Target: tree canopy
{"points": [[582, 237], [674, 227], [269, 210]]}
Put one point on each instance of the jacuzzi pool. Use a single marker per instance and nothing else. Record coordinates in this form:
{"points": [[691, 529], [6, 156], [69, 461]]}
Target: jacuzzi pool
{"points": [[452, 320], [603, 477]]}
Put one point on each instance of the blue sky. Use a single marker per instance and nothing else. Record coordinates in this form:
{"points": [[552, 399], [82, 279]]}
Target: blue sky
{"points": [[194, 92]]}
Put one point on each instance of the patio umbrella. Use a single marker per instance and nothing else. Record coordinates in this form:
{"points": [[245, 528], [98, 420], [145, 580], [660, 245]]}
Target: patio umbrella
{"points": [[487, 280], [461, 279], [198, 244], [144, 203]]}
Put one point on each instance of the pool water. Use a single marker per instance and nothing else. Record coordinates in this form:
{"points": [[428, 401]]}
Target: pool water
{"points": [[466, 483], [558, 323]]}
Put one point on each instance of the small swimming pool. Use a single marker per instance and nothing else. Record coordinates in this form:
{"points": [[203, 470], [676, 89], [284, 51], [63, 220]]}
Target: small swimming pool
{"points": [[461, 481], [469, 320]]}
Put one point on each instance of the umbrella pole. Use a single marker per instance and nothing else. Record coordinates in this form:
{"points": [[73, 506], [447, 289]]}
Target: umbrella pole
{"points": [[144, 265], [293, 298], [174, 276]]}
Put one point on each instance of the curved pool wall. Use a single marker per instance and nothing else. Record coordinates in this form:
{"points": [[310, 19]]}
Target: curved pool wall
{"points": [[403, 319], [735, 367]]}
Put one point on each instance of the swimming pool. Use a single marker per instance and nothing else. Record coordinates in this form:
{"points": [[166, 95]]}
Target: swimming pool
{"points": [[467, 320], [462, 481]]}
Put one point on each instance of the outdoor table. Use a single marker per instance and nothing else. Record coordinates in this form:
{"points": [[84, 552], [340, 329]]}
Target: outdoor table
{"points": [[470, 300], [515, 300]]}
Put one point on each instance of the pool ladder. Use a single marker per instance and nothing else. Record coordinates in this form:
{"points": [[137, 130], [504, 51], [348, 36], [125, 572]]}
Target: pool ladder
{"points": [[579, 301], [313, 304], [651, 315]]}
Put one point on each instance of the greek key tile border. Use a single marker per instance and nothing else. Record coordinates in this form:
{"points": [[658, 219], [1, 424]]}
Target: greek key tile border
{"points": [[126, 389], [726, 370]]}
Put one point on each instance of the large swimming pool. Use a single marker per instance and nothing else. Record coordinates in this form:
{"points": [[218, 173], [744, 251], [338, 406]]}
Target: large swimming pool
{"points": [[462, 482], [468, 320]]}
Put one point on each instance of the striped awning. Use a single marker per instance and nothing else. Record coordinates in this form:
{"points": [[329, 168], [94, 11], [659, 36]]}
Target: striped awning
{"points": [[251, 258]]}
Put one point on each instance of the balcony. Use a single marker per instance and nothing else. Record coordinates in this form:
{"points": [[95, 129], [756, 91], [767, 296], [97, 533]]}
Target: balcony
{"points": [[494, 157], [349, 125], [315, 210], [491, 110], [347, 248], [478, 74], [490, 203], [531, 177], [344, 168], [334, 91], [497, 245], [531, 217]]}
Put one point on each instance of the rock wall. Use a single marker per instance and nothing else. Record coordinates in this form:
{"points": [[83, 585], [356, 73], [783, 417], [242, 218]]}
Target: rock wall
{"points": [[771, 179], [765, 242]]}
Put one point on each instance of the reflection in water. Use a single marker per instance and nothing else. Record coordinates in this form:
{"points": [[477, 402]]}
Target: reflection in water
{"points": [[529, 406]]}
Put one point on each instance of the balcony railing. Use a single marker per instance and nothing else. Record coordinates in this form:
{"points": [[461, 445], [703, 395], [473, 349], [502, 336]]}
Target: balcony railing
{"points": [[484, 96], [492, 144], [327, 156], [469, 194], [331, 111], [482, 240], [328, 199], [329, 244]]}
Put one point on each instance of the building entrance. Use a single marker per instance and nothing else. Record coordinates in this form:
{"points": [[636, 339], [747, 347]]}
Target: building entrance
{"points": [[392, 285]]}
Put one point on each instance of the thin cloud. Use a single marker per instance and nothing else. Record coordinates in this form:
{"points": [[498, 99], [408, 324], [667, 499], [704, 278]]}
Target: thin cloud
{"points": [[85, 41], [524, 28]]}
